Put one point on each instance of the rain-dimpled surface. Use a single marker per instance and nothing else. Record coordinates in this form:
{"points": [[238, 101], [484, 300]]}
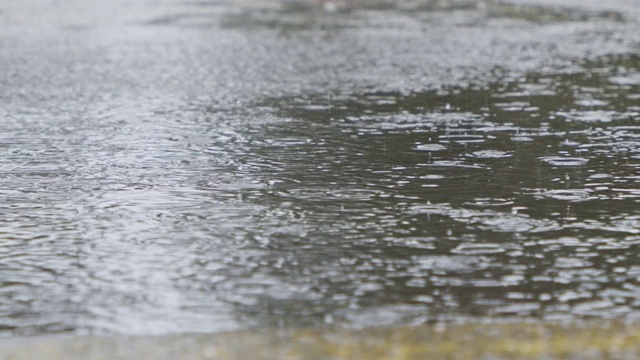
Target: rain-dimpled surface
{"points": [[173, 166]]}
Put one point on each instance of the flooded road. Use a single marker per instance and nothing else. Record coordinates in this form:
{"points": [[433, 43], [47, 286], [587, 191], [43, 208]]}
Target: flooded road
{"points": [[175, 167]]}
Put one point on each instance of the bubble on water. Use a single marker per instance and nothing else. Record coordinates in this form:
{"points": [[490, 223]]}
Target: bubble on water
{"points": [[571, 263], [430, 147], [432, 177], [442, 208], [477, 249], [424, 299], [573, 195], [564, 161], [490, 154], [317, 107], [489, 202], [458, 263], [521, 138], [514, 106], [452, 164]]}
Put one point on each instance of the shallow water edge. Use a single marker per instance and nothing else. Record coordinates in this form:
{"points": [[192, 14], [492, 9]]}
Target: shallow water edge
{"points": [[522, 340]]}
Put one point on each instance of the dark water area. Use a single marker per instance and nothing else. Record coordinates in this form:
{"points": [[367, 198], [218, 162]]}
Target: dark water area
{"points": [[175, 167], [518, 199]]}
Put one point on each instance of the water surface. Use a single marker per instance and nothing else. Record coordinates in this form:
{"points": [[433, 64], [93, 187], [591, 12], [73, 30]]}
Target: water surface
{"points": [[172, 167]]}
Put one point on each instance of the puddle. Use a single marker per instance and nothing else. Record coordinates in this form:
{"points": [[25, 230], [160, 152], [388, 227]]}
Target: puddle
{"points": [[204, 167], [451, 165]]}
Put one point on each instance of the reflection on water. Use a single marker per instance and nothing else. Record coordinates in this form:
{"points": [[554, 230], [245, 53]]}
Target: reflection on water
{"points": [[140, 212]]}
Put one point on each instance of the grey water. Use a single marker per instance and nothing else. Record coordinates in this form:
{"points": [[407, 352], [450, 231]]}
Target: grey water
{"points": [[177, 166]]}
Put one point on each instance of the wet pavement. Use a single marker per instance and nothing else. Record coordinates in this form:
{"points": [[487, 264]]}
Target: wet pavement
{"points": [[461, 341], [175, 167]]}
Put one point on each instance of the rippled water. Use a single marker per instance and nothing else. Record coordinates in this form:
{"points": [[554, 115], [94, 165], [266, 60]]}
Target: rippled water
{"points": [[180, 167], [501, 201]]}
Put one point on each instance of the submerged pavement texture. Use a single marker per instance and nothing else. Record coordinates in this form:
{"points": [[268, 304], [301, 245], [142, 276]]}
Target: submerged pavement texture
{"points": [[601, 340]]}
